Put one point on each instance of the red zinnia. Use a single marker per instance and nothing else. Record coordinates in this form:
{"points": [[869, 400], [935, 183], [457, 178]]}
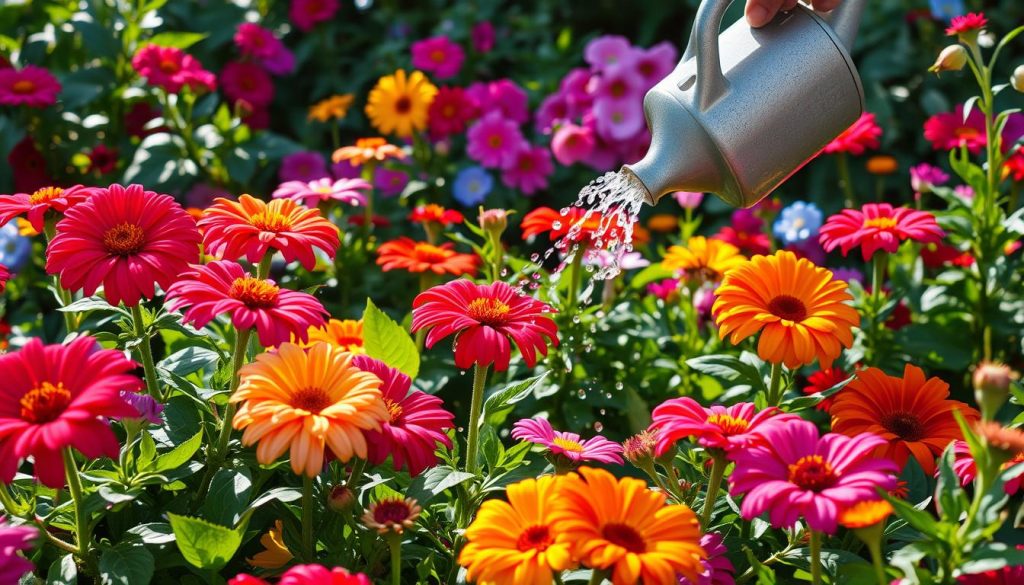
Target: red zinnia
{"points": [[949, 130], [225, 287], [938, 254], [416, 425], [57, 396], [435, 213], [126, 239], [484, 318], [28, 166], [247, 81], [102, 160], [861, 136], [451, 109], [35, 206], [878, 226], [407, 254], [30, 86], [250, 227], [171, 68], [966, 24], [822, 380], [750, 243], [557, 225]]}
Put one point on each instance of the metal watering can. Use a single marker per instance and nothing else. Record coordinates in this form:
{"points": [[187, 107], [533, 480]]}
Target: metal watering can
{"points": [[746, 109]]}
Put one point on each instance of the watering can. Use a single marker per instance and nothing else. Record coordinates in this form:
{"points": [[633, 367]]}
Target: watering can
{"points": [[747, 108]]}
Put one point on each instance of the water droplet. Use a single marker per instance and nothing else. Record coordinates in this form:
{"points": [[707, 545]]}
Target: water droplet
{"points": [[598, 426], [618, 385]]}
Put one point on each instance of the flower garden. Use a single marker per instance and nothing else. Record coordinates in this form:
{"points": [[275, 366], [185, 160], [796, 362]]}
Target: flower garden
{"points": [[296, 292]]}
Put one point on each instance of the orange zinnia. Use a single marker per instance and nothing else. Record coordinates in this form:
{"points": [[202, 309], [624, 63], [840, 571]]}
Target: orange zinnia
{"points": [[703, 259], [912, 413], [367, 149], [344, 334], [621, 524], [801, 311], [306, 401], [406, 254], [512, 542]]}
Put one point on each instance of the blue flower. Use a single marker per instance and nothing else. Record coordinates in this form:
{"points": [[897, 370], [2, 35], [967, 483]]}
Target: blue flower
{"points": [[947, 9], [14, 247], [472, 185], [797, 223]]}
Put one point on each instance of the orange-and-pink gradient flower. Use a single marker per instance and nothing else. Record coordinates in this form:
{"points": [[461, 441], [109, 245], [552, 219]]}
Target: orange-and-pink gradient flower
{"points": [[34, 206], [878, 226]]}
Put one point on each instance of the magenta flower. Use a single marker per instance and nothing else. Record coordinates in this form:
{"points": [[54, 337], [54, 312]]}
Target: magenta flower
{"points": [[494, 141], [575, 86], [607, 50], [567, 445], [482, 37], [147, 406], [730, 428], [529, 170], [247, 81], [924, 177], [438, 55], [302, 166], [30, 86], [667, 290], [503, 96], [171, 68], [878, 226], [618, 119], [306, 14], [313, 192], [796, 473], [716, 569], [572, 143], [949, 130], [966, 469], [655, 63], [389, 182], [553, 110], [620, 82], [260, 43], [14, 539]]}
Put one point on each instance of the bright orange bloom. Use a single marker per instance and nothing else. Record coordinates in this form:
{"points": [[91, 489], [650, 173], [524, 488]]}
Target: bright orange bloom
{"points": [[513, 543], [307, 401], [406, 254], [586, 225], [865, 513], [801, 311], [435, 213], [367, 149], [331, 108], [344, 334], [1003, 438], [663, 223], [621, 524], [275, 554], [703, 259], [912, 413]]}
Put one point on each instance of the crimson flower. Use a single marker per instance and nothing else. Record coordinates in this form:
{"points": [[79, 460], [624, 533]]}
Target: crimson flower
{"points": [[35, 205], [966, 24], [308, 575], [822, 380], [878, 226], [30, 86], [859, 137], [949, 130]]}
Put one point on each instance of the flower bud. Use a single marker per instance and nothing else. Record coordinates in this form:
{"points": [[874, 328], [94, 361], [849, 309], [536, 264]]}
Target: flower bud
{"points": [[952, 58], [493, 221], [639, 449], [341, 498], [992, 386], [1017, 79]]}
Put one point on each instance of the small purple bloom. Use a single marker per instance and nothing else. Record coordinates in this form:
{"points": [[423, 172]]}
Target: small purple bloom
{"points": [[848, 275], [528, 170], [924, 177], [503, 96], [494, 140], [655, 63], [148, 408], [607, 50], [389, 182], [482, 37], [552, 110], [302, 166], [313, 192], [618, 119]]}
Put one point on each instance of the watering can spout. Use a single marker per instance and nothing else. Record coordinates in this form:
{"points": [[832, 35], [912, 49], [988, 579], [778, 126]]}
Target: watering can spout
{"points": [[845, 20]]}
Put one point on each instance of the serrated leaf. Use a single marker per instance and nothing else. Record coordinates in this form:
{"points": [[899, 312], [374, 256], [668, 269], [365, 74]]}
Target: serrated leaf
{"points": [[126, 564], [387, 341], [179, 455], [499, 404], [203, 544]]}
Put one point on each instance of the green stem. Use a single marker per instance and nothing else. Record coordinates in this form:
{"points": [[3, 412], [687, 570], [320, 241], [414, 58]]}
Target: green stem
{"points": [[308, 548], [357, 472], [83, 536], [672, 482], [876, 561], [497, 256], [575, 276], [263, 270], [368, 208], [718, 465], [775, 390], [597, 577], [878, 265], [395, 543], [476, 405], [815, 545], [70, 318], [146, 354], [845, 182], [426, 281], [12, 507]]}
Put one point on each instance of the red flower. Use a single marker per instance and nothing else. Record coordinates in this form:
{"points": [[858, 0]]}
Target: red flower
{"points": [[966, 24], [31, 86], [861, 136], [248, 82], [28, 166], [308, 13], [557, 225], [823, 380], [451, 109], [139, 114], [938, 254], [407, 254], [57, 396], [35, 206], [1013, 166], [417, 422], [5, 275], [435, 213], [171, 68], [225, 287], [750, 243], [484, 318], [878, 226], [899, 318], [126, 239], [308, 575], [102, 160], [949, 130]]}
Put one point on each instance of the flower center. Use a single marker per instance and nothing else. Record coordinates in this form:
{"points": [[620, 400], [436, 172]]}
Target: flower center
{"points": [[625, 536], [431, 254], [488, 311], [788, 308], [403, 105], [905, 425], [23, 86], [45, 403], [311, 400], [271, 221], [394, 410], [124, 239], [617, 89], [568, 445], [448, 111], [324, 189], [812, 473], [391, 512], [965, 133], [526, 164], [494, 141], [44, 195], [729, 424], [881, 223], [535, 538], [169, 66], [255, 293], [437, 56]]}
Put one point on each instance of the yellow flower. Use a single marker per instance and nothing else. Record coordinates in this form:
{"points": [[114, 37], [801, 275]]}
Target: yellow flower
{"points": [[25, 227], [345, 334], [398, 104], [276, 554], [703, 259], [334, 107]]}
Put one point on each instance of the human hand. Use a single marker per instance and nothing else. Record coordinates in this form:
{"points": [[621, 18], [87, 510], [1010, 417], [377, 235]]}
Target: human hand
{"points": [[761, 12]]}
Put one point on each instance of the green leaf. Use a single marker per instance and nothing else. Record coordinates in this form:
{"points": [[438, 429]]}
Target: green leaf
{"points": [[729, 368], [228, 497], [498, 405], [951, 498], [992, 557], [179, 455], [63, 571], [153, 532], [388, 341], [923, 521], [650, 274], [128, 563], [190, 360], [435, 481], [203, 544], [180, 40]]}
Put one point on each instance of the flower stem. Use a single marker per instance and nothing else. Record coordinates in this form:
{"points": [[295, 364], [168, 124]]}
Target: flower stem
{"points": [[775, 389], [426, 281], [357, 473], [718, 465], [263, 270], [146, 354], [815, 545], [878, 265], [476, 405], [597, 576], [70, 319], [308, 547], [876, 561], [368, 208], [575, 276], [845, 182], [395, 543], [83, 536]]}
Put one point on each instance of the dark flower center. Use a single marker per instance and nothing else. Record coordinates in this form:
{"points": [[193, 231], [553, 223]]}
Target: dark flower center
{"points": [[535, 537], [812, 473], [489, 311], [391, 512], [311, 400], [23, 86], [403, 105], [45, 403], [905, 425], [124, 239], [169, 66], [394, 410], [788, 308], [625, 536], [255, 293]]}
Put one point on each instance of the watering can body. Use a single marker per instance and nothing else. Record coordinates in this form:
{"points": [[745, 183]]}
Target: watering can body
{"points": [[746, 109]]}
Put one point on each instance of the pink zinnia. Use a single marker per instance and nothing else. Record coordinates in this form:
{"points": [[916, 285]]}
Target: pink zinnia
{"points": [[5, 275], [732, 428], [36, 205], [59, 396], [607, 50], [620, 82], [438, 55], [949, 130], [260, 43], [795, 473], [30, 86], [967, 24], [450, 111], [529, 170], [223, 286], [14, 539], [572, 143], [308, 13], [417, 425], [308, 575], [858, 138], [966, 469], [504, 96], [716, 568], [568, 445], [484, 318], [667, 290], [482, 37], [126, 238], [494, 141], [171, 68], [655, 63], [248, 82], [688, 199], [311, 193], [878, 226]]}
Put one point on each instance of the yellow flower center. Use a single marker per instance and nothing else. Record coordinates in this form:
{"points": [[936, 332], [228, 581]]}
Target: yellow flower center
{"points": [[45, 195], [625, 536], [324, 189], [788, 307], [255, 293], [535, 538], [881, 223], [24, 86], [905, 425], [394, 410], [812, 473], [431, 254], [312, 400], [568, 445], [729, 424], [271, 221], [124, 239], [45, 403], [488, 311]]}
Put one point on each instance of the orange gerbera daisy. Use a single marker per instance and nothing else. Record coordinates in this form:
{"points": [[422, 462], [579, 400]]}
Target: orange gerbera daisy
{"points": [[512, 543], [345, 334], [367, 149], [621, 524], [306, 401], [406, 254], [912, 413], [801, 311], [703, 259]]}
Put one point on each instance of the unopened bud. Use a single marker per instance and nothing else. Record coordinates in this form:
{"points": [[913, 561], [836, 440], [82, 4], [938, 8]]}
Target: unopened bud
{"points": [[992, 387], [952, 58], [1017, 79], [493, 221], [341, 498], [639, 449]]}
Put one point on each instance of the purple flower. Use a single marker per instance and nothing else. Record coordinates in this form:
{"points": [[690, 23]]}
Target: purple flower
{"points": [[482, 37], [620, 82], [688, 200], [607, 50], [924, 177], [313, 192], [848, 275], [494, 140], [567, 445], [12, 540], [260, 43], [502, 96], [346, 170], [575, 86], [655, 63], [148, 408], [747, 221], [201, 195], [552, 110], [529, 169], [302, 166], [703, 302], [717, 569], [389, 182]]}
